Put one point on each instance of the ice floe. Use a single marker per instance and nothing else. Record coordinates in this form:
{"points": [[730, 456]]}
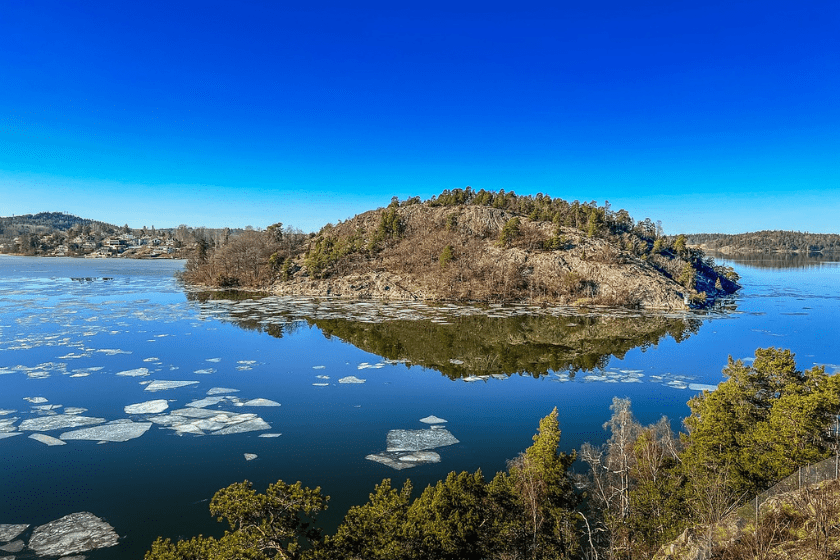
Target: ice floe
{"points": [[432, 420], [4, 435], [206, 371], [138, 372], [148, 407], [253, 425], [701, 387], [205, 402], [250, 456], [260, 402], [117, 431], [47, 440], [57, 422], [74, 533], [418, 440], [214, 360], [270, 435], [35, 400], [221, 391], [163, 385], [351, 379], [9, 531]]}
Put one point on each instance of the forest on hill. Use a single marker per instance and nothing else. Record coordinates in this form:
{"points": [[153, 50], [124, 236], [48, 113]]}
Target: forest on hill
{"points": [[57, 234], [466, 245], [776, 241]]}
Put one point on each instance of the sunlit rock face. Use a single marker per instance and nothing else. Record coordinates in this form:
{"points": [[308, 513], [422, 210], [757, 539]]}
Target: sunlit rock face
{"points": [[74, 533]]}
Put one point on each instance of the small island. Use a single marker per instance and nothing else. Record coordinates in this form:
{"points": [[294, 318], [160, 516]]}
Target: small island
{"points": [[475, 246]]}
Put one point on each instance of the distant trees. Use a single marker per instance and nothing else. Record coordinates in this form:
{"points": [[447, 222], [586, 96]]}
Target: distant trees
{"points": [[770, 241]]}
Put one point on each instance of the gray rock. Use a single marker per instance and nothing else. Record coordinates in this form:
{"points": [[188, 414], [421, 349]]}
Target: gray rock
{"points": [[114, 431], [77, 532], [8, 532]]}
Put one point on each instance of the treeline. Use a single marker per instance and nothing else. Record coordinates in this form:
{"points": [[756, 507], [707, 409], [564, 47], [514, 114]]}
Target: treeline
{"points": [[769, 242], [250, 258], [52, 233], [644, 486]]}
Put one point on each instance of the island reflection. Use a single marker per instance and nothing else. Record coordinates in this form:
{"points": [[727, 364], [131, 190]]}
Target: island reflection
{"points": [[459, 342]]}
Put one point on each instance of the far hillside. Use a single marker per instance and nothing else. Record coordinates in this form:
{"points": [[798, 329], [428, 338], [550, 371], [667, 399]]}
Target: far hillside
{"points": [[767, 242], [479, 246]]}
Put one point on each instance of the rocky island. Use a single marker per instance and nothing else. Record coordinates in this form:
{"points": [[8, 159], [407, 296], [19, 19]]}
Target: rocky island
{"points": [[468, 246]]}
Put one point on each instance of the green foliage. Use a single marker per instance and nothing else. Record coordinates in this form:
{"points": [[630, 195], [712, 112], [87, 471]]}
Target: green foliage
{"points": [[762, 422], [658, 247], [329, 250], [373, 530], [680, 245], [687, 277], [451, 222], [509, 232], [446, 256], [276, 524]]}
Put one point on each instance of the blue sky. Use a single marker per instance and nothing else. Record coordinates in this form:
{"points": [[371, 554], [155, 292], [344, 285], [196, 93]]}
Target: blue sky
{"points": [[709, 116]]}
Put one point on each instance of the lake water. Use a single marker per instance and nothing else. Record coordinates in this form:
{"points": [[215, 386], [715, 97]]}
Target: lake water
{"points": [[78, 333]]}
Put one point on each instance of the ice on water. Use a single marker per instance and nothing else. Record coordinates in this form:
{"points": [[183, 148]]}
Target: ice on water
{"points": [[164, 385], [117, 431], [57, 422], [148, 407], [47, 440], [351, 379]]}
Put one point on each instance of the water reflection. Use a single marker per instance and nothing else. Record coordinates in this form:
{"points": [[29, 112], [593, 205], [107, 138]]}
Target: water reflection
{"points": [[461, 342], [781, 260]]}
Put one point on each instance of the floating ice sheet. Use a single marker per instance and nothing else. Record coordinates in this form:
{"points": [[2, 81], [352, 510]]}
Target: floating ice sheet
{"points": [[255, 425], [351, 379], [47, 440], [4, 435], [260, 402], [163, 385], [113, 431], [432, 420], [74, 533], [419, 440], [58, 422], [148, 407], [221, 391], [138, 372], [35, 400], [205, 402], [701, 387], [270, 435], [250, 456], [9, 531]]}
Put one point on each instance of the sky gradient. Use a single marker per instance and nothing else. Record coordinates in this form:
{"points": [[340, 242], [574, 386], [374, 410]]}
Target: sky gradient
{"points": [[711, 116]]}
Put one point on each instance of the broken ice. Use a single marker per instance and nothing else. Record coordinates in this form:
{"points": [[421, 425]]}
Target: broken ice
{"points": [[116, 431], [148, 407], [351, 379], [163, 385]]}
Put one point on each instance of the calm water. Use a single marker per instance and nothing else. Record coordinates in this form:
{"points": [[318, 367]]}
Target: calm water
{"points": [[68, 327]]}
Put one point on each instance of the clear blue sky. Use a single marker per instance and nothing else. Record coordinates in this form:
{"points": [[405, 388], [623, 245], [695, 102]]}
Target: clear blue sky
{"points": [[710, 116]]}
